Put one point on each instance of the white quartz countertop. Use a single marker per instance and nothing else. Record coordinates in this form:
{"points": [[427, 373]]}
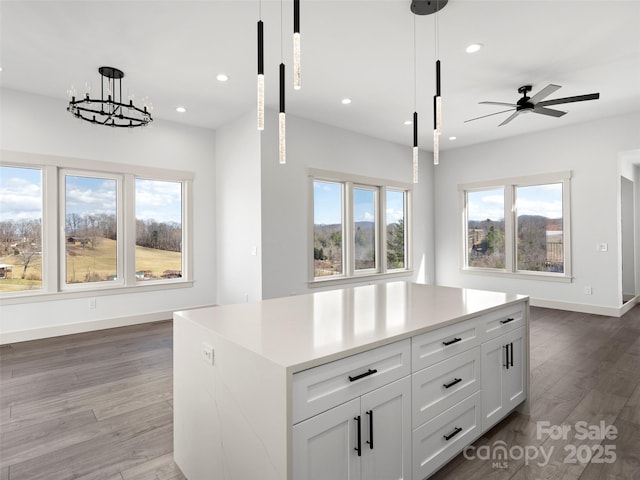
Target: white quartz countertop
{"points": [[303, 331]]}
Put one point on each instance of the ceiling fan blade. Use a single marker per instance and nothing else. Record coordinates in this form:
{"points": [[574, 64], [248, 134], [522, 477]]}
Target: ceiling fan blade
{"points": [[544, 93], [514, 115], [499, 103], [577, 98], [548, 111], [490, 115]]}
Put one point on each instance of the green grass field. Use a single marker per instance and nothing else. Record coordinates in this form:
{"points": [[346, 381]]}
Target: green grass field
{"points": [[90, 265]]}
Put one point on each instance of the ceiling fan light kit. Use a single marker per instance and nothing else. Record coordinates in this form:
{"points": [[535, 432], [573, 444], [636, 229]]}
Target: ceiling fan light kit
{"points": [[536, 104]]}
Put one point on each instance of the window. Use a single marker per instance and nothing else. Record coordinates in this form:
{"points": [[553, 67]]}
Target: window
{"points": [[68, 227], [359, 226], [540, 228], [158, 230], [91, 232], [518, 226], [485, 228], [20, 229], [395, 230], [364, 227]]}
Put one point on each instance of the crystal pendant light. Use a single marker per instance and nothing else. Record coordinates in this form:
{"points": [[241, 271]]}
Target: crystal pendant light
{"points": [[260, 71], [282, 138], [296, 44]]}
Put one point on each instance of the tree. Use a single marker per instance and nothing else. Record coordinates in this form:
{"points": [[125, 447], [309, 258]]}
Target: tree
{"points": [[395, 244]]}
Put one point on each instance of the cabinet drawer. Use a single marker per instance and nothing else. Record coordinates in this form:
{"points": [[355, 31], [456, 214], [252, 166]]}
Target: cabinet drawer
{"points": [[440, 439], [501, 321], [433, 347], [321, 388], [440, 386]]}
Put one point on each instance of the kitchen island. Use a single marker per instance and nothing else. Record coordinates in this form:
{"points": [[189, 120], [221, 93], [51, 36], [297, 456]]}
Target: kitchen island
{"points": [[380, 381]]}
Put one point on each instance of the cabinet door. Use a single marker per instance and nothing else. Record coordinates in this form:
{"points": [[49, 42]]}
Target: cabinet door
{"points": [[502, 388], [386, 448], [323, 446]]}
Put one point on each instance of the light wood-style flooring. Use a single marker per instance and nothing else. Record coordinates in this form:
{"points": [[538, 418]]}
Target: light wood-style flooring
{"points": [[99, 405]]}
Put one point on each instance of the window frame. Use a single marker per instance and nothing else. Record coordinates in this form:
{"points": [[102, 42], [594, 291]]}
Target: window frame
{"points": [[54, 168], [510, 225], [379, 186]]}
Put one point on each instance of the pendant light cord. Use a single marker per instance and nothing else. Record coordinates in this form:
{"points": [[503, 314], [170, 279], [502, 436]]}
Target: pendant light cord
{"points": [[415, 73]]}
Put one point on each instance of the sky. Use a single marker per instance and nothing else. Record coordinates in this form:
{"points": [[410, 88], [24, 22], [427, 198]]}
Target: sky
{"points": [[21, 196], [327, 204], [544, 200]]}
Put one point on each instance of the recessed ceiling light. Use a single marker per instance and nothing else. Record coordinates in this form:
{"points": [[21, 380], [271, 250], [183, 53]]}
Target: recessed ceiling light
{"points": [[474, 47], [181, 109], [222, 77], [452, 138], [346, 101], [408, 122]]}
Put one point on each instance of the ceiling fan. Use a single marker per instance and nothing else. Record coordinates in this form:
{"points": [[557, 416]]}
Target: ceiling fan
{"points": [[535, 104]]}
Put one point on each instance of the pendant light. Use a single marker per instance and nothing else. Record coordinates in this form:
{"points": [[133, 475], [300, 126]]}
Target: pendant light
{"points": [[296, 44], [437, 99], [260, 69], [416, 152], [282, 140]]}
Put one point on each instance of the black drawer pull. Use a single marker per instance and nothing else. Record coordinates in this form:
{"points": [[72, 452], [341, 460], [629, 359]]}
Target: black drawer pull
{"points": [[370, 441], [455, 340], [452, 434], [511, 354], [451, 384], [507, 320], [359, 444], [362, 375], [506, 356]]}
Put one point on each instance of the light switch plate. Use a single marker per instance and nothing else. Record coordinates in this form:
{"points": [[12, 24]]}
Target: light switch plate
{"points": [[207, 353]]}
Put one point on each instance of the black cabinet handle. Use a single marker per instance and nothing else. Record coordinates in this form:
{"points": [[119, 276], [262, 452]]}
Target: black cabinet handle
{"points": [[452, 434], [506, 356], [370, 441], [359, 444], [455, 340], [507, 320], [511, 354], [452, 383], [362, 375]]}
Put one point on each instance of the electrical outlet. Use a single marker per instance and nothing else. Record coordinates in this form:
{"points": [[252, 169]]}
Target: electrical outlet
{"points": [[588, 291], [92, 303], [207, 353], [603, 247]]}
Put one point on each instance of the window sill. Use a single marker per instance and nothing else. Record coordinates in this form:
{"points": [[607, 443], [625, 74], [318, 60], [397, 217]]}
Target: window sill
{"points": [[546, 277], [33, 297], [316, 283]]}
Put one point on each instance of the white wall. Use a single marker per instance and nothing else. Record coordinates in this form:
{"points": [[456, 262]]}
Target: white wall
{"points": [[590, 151], [238, 211], [36, 124], [285, 195]]}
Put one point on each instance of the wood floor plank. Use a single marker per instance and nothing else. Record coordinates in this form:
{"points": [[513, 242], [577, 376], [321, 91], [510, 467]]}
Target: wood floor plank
{"points": [[159, 468], [631, 410], [626, 464], [103, 449]]}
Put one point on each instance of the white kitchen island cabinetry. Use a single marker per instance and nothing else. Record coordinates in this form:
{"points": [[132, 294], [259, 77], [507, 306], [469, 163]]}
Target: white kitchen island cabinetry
{"points": [[290, 388]]}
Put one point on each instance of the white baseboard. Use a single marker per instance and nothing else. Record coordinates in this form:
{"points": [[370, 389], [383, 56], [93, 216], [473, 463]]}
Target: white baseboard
{"points": [[582, 308], [68, 329]]}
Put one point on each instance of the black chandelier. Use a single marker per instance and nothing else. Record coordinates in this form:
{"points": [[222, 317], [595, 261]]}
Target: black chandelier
{"points": [[111, 111]]}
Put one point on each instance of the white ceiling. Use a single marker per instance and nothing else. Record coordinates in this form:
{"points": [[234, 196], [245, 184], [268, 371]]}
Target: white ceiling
{"points": [[172, 51]]}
